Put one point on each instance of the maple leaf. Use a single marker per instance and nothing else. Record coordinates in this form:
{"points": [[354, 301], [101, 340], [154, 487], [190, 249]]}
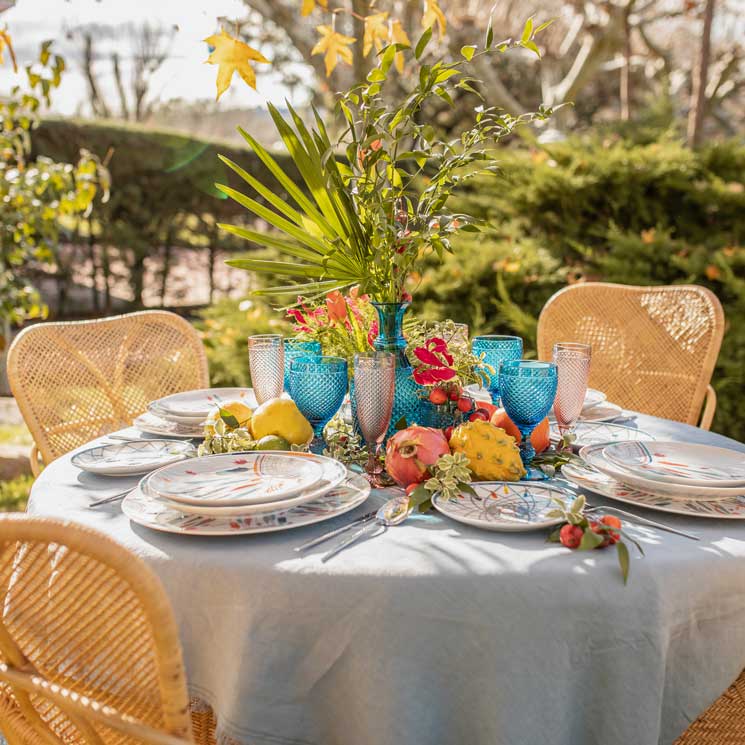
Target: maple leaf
{"points": [[230, 55], [376, 32], [433, 15], [310, 5], [333, 46], [7, 42], [399, 36]]}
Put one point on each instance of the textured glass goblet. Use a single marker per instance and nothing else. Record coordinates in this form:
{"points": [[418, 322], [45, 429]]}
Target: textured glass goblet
{"points": [[298, 348], [374, 393], [528, 389], [266, 359], [573, 371], [318, 386], [495, 349]]}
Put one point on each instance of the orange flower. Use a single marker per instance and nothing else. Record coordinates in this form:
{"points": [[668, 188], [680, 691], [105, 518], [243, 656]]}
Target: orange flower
{"points": [[713, 272], [336, 306]]}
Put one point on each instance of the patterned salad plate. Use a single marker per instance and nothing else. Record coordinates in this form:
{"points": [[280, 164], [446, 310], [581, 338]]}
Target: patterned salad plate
{"points": [[593, 433], [156, 514], [132, 458], [199, 403], [334, 474], [594, 456], [730, 508], [602, 412], [679, 463], [237, 479], [505, 505], [155, 425]]}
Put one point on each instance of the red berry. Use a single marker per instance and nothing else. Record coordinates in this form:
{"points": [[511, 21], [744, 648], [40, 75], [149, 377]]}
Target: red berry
{"points": [[614, 534], [438, 396], [455, 393], [410, 488], [448, 433], [571, 535], [464, 404], [481, 414]]}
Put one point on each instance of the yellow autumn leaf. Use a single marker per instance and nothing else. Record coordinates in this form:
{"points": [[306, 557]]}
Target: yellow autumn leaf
{"points": [[399, 36], [230, 55], [433, 15], [310, 5], [376, 32], [333, 46], [7, 43]]}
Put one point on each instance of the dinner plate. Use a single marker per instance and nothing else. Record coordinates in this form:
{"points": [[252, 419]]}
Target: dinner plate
{"points": [[154, 425], [257, 477], [680, 463], [729, 508], [593, 455], [132, 458], [514, 506], [202, 401], [161, 413], [593, 433], [156, 514], [593, 397], [333, 476]]}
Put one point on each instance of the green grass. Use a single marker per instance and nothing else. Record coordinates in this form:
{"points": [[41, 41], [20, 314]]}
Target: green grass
{"points": [[15, 434], [14, 493]]}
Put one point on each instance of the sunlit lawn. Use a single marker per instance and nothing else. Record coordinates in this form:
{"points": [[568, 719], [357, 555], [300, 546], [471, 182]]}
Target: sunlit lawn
{"points": [[14, 493]]}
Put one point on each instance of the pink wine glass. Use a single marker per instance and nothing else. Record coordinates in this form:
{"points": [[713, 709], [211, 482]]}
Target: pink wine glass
{"points": [[573, 368]]}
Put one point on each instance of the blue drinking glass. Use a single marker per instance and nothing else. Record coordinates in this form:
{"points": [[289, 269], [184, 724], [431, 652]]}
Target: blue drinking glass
{"points": [[494, 350], [318, 386], [528, 390], [298, 348]]}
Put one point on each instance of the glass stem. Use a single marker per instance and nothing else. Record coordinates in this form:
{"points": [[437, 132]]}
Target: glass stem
{"points": [[527, 451]]}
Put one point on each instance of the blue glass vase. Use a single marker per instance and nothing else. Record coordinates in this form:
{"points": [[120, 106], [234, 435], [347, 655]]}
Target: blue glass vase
{"points": [[391, 339]]}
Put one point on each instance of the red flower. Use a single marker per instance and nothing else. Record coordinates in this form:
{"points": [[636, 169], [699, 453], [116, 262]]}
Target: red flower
{"points": [[337, 306], [372, 334], [436, 362]]}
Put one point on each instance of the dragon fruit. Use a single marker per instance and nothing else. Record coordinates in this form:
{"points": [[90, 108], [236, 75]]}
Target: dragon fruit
{"points": [[410, 453]]}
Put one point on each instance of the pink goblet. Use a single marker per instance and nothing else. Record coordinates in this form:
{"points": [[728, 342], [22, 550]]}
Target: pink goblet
{"points": [[573, 369]]}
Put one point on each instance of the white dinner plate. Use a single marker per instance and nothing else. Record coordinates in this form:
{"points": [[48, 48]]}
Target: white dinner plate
{"points": [[593, 397], [514, 506], [680, 463], [593, 455], [333, 476], [603, 412], [201, 402], [593, 433], [154, 513], [257, 477], [161, 413], [154, 425], [132, 458], [729, 508]]}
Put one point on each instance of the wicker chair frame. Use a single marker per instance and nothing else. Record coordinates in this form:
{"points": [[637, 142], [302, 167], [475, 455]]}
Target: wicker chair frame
{"points": [[654, 348], [75, 381]]}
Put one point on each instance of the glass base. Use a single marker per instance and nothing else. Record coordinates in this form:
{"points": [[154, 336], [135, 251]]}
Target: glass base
{"points": [[534, 474]]}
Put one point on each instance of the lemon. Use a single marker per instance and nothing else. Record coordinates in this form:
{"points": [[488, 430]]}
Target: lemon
{"points": [[237, 409], [273, 442], [281, 416]]}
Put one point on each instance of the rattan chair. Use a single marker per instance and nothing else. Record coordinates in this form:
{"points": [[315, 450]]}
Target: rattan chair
{"points": [[89, 648], [78, 380], [653, 348]]}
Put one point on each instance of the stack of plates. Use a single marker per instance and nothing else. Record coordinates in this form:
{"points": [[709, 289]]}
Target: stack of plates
{"points": [[243, 493], [183, 414], [671, 476]]}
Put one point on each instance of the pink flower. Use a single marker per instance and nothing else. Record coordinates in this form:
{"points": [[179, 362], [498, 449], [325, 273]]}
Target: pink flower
{"points": [[436, 362], [372, 334], [406, 297], [337, 306]]}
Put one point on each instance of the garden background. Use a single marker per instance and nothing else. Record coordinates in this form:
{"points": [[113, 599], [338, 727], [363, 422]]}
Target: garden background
{"points": [[642, 181]]}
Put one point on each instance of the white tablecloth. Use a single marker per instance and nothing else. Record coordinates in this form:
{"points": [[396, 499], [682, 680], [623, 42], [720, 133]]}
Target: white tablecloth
{"points": [[439, 634]]}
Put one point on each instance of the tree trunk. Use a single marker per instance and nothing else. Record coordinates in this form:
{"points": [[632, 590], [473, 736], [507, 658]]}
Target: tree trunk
{"points": [[166, 269], [106, 271], [123, 107], [98, 104], [137, 277], [94, 269], [697, 111], [625, 91]]}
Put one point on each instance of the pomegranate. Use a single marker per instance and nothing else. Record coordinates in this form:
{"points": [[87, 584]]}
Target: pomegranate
{"points": [[410, 452]]}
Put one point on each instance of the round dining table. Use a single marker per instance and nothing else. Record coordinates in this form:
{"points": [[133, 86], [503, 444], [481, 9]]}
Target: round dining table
{"points": [[437, 633]]}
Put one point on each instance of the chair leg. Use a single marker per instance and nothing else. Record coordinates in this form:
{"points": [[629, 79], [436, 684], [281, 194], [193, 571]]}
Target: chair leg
{"points": [[710, 406]]}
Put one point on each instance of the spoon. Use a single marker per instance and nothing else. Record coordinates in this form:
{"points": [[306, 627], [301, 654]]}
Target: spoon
{"points": [[393, 512]]}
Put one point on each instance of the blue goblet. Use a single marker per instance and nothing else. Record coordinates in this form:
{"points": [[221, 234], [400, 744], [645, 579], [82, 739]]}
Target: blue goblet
{"points": [[298, 348], [318, 386], [528, 390], [495, 349]]}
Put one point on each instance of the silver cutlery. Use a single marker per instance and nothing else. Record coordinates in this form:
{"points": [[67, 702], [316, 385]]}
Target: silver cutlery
{"points": [[393, 512], [111, 498], [338, 531]]}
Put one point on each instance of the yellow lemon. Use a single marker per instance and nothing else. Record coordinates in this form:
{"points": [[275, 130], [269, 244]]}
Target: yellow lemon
{"points": [[237, 409], [281, 417]]}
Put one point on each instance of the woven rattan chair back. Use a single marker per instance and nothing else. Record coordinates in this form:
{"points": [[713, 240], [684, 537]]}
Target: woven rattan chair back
{"points": [[76, 381], [653, 348], [89, 648]]}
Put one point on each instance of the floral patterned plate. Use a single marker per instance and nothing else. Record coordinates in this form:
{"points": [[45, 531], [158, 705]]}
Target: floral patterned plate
{"points": [[200, 403], [593, 433], [132, 458], [155, 425], [155, 514], [236, 479], [730, 508], [505, 505], [333, 476]]}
